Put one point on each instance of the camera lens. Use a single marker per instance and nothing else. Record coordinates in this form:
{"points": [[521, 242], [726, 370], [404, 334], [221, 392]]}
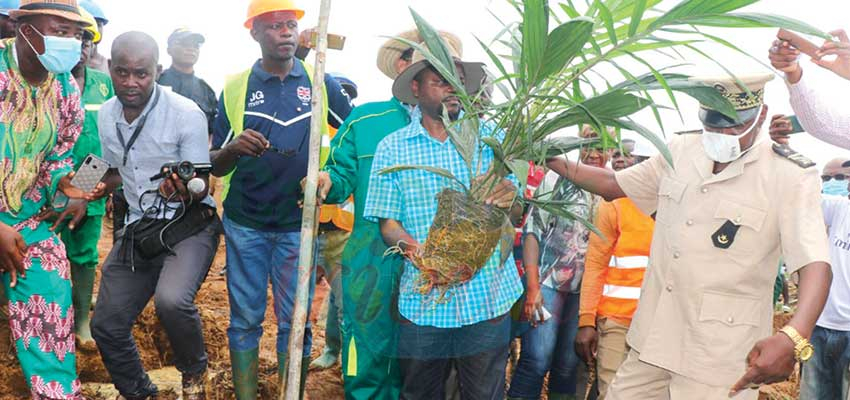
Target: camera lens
{"points": [[185, 170]]}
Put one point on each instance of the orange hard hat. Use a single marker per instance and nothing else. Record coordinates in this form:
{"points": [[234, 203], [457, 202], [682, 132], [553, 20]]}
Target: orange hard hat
{"points": [[260, 7]]}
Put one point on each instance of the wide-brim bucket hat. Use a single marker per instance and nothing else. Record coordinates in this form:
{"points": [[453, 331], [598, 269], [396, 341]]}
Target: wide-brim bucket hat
{"points": [[393, 48], [67, 9], [473, 72]]}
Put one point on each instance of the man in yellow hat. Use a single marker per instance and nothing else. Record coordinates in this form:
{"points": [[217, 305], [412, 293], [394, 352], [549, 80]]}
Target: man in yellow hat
{"points": [[260, 146], [81, 241], [726, 209], [96, 60], [370, 280], [40, 126]]}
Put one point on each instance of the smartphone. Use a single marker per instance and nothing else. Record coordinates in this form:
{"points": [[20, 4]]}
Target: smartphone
{"points": [[805, 46], [542, 315], [795, 125], [90, 173]]}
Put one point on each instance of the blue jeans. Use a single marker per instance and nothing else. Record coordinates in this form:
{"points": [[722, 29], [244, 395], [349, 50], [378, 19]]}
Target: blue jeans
{"points": [[253, 258], [825, 375], [549, 348]]}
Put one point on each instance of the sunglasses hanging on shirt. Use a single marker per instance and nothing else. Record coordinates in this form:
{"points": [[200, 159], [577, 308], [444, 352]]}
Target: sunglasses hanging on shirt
{"points": [[286, 153]]}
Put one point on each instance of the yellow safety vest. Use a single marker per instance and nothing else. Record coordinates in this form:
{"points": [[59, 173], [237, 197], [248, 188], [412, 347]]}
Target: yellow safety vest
{"points": [[235, 92]]}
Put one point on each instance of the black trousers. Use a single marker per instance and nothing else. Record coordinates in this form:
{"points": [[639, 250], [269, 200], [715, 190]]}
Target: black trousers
{"points": [[173, 281], [476, 355]]}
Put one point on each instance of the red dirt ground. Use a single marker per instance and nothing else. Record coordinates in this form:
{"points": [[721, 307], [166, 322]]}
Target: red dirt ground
{"points": [[156, 351], [213, 304]]}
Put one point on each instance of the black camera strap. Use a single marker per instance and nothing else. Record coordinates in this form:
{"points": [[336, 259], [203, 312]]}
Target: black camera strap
{"points": [[143, 119]]}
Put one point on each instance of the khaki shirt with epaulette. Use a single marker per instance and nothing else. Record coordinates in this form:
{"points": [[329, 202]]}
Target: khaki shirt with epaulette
{"points": [[707, 297]]}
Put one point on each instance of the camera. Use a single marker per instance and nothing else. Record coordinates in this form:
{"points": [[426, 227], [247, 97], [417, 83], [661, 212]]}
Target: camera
{"points": [[185, 170]]}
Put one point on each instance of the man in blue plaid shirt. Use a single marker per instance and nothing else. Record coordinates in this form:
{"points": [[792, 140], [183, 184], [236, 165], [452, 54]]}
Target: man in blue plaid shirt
{"points": [[470, 326]]}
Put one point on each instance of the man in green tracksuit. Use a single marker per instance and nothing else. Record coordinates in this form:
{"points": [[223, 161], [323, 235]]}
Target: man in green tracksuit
{"points": [[81, 237], [369, 280]]}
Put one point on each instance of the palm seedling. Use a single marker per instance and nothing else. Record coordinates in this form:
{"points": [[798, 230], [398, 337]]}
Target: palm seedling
{"points": [[553, 79]]}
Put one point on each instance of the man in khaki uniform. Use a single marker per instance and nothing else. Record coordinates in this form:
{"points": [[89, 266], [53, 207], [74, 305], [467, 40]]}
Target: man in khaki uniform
{"points": [[730, 205]]}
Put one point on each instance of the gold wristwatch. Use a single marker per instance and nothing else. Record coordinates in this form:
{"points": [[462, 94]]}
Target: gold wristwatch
{"points": [[803, 349]]}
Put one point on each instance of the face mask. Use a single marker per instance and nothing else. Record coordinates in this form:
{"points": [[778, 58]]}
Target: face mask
{"points": [[725, 148], [836, 188], [61, 54]]}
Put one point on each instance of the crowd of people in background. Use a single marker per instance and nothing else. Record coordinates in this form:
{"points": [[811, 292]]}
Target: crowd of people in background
{"points": [[669, 295]]}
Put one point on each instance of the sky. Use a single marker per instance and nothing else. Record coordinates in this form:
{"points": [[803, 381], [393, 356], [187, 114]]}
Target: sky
{"points": [[229, 47]]}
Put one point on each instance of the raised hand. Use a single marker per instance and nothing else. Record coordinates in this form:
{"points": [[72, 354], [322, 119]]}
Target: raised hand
{"points": [[840, 65], [785, 58]]}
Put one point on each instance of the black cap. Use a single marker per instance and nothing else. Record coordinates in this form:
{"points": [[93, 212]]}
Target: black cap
{"points": [[184, 34]]}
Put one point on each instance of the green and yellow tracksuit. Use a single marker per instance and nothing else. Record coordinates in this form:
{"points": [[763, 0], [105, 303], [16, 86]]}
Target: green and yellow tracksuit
{"points": [[369, 280]]}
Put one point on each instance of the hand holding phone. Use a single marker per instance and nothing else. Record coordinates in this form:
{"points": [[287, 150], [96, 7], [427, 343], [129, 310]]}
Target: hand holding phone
{"points": [[90, 173], [85, 180], [795, 125], [542, 314]]}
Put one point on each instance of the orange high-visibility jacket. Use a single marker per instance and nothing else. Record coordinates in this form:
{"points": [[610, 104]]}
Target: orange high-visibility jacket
{"points": [[615, 265], [341, 215]]}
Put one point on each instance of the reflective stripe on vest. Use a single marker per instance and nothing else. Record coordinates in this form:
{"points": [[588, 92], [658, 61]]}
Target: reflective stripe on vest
{"points": [[629, 262], [235, 92], [621, 292]]}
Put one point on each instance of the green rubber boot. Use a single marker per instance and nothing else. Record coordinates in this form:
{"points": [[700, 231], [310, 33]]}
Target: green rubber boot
{"points": [[328, 359], [4, 304], [561, 396], [82, 278], [305, 369], [244, 365], [282, 367]]}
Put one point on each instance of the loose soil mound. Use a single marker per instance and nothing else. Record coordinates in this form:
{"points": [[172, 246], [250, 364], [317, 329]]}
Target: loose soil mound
{"points": [[157, 355], [213, 304]]}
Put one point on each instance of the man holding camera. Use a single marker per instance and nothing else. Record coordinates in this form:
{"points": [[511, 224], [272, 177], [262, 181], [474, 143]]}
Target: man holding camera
{"points": [[171, 228]]}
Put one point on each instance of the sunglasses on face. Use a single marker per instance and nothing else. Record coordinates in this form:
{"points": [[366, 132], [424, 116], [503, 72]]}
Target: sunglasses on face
{"points": [[838, 177], [188, 44]]}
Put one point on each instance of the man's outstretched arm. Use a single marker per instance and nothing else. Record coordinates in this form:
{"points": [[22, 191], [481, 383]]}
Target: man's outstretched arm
{"points": [[599, 181]]}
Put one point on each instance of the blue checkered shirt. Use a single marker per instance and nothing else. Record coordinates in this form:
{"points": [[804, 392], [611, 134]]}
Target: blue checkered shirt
{"points": [[410, 198]]}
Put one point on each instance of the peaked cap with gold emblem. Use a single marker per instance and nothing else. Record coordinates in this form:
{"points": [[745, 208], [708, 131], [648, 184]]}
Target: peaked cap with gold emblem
{"points": [[746, 102]]}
